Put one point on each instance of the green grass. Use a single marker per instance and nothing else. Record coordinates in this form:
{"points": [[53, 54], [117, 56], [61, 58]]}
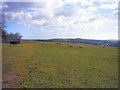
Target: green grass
{"points": [[48, 65]]}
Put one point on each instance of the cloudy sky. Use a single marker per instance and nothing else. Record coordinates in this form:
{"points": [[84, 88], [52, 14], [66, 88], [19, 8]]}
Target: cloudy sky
{"points": [[46, 19]]}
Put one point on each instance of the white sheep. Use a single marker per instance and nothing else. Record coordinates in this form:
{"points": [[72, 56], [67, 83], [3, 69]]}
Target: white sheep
{"points": [[80, 46], [71, 45]]}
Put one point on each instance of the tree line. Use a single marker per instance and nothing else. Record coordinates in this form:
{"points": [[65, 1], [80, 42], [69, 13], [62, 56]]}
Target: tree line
{"points": [[8, 37]]}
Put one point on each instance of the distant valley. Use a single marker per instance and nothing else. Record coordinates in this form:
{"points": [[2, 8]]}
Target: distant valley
{"points": [[113, 43]]}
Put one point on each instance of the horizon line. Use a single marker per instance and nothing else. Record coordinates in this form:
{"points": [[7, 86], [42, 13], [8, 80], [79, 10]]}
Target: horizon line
{"points": [[66, 38]]}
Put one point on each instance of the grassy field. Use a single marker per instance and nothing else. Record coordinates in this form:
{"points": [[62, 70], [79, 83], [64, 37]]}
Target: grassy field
{"points": [[48, 65]]}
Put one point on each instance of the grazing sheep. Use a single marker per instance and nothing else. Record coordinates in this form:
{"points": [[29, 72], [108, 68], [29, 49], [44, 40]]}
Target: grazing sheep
{"points": [[103, 46], [58, 43], [71, 45], [80, 46]]}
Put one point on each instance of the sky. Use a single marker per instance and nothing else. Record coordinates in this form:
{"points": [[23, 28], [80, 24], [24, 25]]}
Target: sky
{"points": [[47, 19]]}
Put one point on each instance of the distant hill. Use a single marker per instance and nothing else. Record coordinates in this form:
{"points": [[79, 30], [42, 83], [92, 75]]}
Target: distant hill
{"points": [[80, 40]]}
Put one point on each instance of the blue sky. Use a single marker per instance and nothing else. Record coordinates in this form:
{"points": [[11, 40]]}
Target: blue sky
{"points": [[46, 19]]}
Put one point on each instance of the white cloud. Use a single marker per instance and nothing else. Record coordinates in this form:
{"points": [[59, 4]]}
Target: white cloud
{"points": [[111, 1], [109, 6], [62, 16], [92, 9]]}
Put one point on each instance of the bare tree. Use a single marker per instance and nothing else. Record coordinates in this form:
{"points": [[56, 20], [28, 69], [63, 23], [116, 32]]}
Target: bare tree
{"points": [[14, 37], [7, 38], [3, 32]]}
